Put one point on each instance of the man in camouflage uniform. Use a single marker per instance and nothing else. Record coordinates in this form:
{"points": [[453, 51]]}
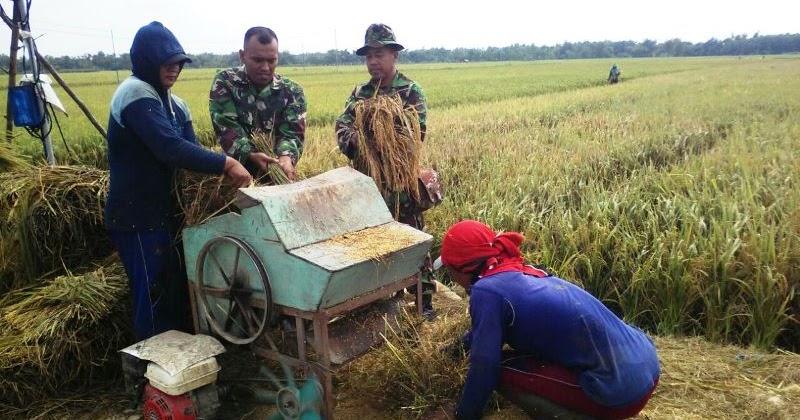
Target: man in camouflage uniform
{"points": [[380, 51], [252, 99]]}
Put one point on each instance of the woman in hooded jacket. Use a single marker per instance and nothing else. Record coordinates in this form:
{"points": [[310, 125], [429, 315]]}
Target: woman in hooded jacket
{"points": [[572, 357], [151, 137]]}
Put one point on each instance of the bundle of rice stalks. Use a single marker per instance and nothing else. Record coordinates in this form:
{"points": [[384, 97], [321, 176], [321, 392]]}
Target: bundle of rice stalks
{"points": [[52, 218], [266, 143], [10, 160], [62, 335], [422, 376], [389, 144], [202, 196]]}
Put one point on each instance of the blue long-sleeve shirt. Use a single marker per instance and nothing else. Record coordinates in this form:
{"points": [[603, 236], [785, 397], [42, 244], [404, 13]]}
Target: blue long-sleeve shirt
{"points": [[558, 323]]}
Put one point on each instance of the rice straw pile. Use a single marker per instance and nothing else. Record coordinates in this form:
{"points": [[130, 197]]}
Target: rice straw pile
{"points": [[52, 219], [421, 376], [62, 335], [374, 243], [389, 144]]}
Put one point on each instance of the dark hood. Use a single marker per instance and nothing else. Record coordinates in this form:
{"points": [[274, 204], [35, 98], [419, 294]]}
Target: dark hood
{"points": [[153, 46]]}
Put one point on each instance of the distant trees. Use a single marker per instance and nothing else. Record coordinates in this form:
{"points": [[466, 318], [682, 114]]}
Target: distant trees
{"points": [[735, 45]]}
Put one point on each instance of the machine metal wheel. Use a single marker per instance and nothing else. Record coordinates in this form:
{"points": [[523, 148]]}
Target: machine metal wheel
{"points": [[233, 290]]}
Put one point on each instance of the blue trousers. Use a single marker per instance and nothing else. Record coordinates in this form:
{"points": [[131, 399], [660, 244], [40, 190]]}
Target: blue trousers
{"points": [[156, 279]]}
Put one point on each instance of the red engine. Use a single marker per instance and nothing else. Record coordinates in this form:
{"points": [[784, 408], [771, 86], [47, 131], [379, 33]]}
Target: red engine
{"points": [[161, 406]]}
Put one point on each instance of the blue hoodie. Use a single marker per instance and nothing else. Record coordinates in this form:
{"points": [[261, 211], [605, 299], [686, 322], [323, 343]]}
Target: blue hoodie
{"points": [[150, 137]]}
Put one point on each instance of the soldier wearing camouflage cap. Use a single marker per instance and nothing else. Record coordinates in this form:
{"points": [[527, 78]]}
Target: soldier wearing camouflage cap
{"points": [[379, 35], [252, 99], [380, 52]]}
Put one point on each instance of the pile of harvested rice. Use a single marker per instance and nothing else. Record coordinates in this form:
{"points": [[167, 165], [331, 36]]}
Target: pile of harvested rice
{"points": [[376, 242], [62, 335], [52, 219], [390, 144]]}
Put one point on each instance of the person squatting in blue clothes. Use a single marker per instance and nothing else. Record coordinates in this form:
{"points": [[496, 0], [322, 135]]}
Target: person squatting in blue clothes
{"points": [[150, 137], [571, 355]]}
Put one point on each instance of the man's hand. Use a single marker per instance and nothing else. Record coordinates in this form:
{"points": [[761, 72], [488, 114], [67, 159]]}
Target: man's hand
{"points": [[236, 173], [288, 168], [262, 161]]}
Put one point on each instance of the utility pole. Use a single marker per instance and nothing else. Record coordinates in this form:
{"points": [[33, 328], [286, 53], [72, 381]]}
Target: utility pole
{"points": [[21, 8], [12, 70]]}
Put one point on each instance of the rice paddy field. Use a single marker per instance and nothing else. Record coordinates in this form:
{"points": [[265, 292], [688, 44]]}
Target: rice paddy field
{"points": [[673, 196]]}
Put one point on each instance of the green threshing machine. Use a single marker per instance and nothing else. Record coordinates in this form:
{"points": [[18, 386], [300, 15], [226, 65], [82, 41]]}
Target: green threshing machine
{"points": [[279, 257]]}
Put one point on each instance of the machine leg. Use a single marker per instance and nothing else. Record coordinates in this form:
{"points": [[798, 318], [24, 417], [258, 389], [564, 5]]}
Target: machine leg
{"points": [[324, 359], [193, 309], [301, 338]]}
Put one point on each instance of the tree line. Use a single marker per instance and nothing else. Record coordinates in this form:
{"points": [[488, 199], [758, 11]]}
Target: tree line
{"points": [[735, 45]]}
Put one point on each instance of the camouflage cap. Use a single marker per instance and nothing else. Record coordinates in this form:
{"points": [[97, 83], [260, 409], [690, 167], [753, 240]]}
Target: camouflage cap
{"points": [[379, 35]]}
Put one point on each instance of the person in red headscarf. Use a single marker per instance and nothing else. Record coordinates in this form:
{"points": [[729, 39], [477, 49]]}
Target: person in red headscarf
{"points": [[571, 355]]}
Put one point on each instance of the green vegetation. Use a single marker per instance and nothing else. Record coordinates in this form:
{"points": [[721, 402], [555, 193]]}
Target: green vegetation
{"points": [[673, 196], [758, 44]]}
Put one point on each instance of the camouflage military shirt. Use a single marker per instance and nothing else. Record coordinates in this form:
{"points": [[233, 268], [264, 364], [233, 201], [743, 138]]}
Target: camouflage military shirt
{"points": [[238, 110], [410, 92]]}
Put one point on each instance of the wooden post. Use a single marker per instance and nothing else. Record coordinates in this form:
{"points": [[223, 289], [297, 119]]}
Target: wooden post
{"points": [[71, 94], [12, 73]]}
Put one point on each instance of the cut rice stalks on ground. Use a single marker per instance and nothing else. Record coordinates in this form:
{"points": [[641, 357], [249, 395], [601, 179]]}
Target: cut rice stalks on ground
{"points": [[389, 144], [62, 335]]}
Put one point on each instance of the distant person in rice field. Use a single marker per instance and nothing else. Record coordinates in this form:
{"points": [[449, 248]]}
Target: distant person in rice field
{"points": [[253, 99], [380, 52], [569, 357], [613, 74], [150, 138]]}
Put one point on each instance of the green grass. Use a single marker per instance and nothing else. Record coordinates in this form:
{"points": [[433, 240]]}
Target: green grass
{"points": [[672, 196]]}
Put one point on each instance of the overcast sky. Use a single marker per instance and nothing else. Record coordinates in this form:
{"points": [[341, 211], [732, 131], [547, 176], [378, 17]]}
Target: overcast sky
{"points": [[79, 27]]}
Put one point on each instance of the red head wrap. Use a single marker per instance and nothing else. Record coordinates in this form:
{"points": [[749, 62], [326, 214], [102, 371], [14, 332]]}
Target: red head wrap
{"points": [[470, 244]]}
